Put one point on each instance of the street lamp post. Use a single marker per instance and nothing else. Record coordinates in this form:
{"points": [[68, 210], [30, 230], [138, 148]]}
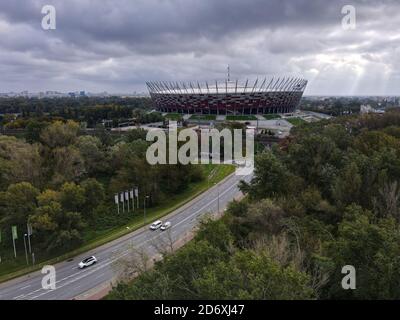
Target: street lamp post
{"points": [[29, 232], [26, 252]]}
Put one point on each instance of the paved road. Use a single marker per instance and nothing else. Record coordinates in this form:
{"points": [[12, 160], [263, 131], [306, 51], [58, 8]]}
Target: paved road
{"points": [[72, 282]]}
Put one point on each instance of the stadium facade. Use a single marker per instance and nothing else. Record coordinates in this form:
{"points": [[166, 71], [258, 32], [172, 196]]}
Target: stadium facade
{"points": [[275, 95]]}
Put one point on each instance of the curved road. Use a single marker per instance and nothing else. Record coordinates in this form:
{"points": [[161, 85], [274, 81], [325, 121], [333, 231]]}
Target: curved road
{"points": [[72, 282]]}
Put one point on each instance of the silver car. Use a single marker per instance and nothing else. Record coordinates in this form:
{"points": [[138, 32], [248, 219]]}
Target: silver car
{"points": [[156, 225], [166, 226], [87, 262]]}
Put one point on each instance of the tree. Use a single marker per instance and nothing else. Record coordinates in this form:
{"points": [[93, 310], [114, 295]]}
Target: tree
{"points": [[346, 187], [136, 134], [339, 135], [175, 274], [134, 263], [59, 134], [66, 239], [326, 198], [373, 249], [217, 233], [271, 178], [387, 201], [34, 128], [90, 148], [315, 158], [263, 218], [250, 275], [66, 164], [72, 197], [55, 228], [47, 197], [18, 203], [94, 196], [19, 162], [45, 217], [369, 142]]}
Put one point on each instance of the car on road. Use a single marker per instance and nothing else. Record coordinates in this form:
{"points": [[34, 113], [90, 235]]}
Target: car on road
{"points": [[166, 226], [87, 262], [156, 225]]}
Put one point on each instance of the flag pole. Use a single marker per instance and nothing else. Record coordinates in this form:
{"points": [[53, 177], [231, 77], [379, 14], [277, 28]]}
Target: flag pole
{"points": [[14, 236], [116, 200], [137, 196], [127, 198], [123, 201], [15, 251], [131, 195], [29, 227], [26, 252]]}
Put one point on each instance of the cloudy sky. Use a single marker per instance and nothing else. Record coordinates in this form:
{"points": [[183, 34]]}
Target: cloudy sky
{"points": [[117, 45]]}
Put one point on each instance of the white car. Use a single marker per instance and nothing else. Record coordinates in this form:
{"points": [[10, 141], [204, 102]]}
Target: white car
{"points": [[166, 226], [156, 225], [87, 262]]}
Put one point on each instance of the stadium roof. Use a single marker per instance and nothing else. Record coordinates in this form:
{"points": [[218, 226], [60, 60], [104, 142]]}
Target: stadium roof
{"points": [[228, 87]]}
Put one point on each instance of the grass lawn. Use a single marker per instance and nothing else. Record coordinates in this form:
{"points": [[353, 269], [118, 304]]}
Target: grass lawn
{"points": [[203, 117], [174, 116], [271, 116], [11, 268], [241, 118], [296, 121]]}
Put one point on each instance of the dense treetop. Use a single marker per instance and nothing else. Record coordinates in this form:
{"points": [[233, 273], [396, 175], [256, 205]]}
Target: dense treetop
{"points": [[63, 182], [326, 197]]}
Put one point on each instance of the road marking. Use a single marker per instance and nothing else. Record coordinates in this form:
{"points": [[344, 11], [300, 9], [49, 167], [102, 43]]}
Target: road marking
{"points": [[25, 287]]}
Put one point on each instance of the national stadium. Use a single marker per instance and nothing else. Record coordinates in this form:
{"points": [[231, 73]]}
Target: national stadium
{"points": [[273, 95]]}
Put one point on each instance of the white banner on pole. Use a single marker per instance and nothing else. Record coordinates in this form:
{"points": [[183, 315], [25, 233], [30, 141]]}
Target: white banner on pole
{"points": [[116, 198], [131, 194], [127, 198], [121, 198]]}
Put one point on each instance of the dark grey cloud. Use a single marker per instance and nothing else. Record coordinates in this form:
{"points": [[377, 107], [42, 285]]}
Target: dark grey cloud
{"points": [[118, 45]]}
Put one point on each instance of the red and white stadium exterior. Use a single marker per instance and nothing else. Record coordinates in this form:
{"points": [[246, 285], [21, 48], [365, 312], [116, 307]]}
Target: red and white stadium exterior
{"points": [[276, 95]]}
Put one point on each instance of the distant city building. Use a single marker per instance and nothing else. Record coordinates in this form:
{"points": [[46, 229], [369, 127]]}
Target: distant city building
{"points": [[368, 109], [275, 95]]}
